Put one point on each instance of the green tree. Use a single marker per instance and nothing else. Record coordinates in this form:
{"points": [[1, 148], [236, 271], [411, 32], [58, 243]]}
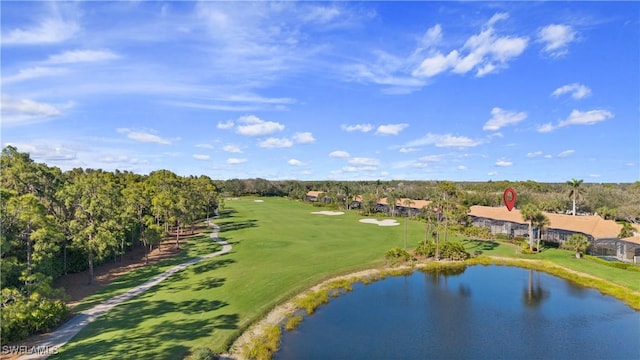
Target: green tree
{"points": [[392, 199], [96, 198], [529, 213], [540, 221], [626, 231], [577, 243], [407, 203], [574, 192]]}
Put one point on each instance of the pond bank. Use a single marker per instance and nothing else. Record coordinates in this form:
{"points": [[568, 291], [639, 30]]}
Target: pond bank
{"points": [[255, 335]]}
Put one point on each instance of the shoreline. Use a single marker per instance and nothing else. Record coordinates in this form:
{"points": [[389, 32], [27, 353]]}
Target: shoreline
{"points": [[279, 314]]}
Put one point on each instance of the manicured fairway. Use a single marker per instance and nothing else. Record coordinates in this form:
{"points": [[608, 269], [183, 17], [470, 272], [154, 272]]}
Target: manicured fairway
{"points": [[279, 249]]}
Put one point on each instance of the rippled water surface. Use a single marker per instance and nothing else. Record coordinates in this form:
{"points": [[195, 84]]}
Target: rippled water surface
{"points": [[484, 312]]}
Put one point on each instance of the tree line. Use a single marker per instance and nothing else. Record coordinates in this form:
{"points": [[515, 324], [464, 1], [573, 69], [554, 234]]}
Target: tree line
{"points": [[55, 222]]}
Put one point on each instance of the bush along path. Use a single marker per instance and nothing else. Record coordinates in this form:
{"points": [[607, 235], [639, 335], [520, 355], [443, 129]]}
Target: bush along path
{"points": [[54, 341]]}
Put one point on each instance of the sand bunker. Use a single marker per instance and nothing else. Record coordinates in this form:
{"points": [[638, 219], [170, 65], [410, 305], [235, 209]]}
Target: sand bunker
{"points": [[328, 212], [385, 222], [258, 200]]}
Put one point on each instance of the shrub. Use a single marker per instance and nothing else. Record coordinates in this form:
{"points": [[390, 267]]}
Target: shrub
{"points": [[475, 232], [397, 256], [427, 250], [311, 301], [265, 345], [503, 237], [453, 250], [293, 322]]}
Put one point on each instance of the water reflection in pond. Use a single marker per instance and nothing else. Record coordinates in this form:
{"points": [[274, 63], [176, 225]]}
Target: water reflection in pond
{"points": [[483, 312]]}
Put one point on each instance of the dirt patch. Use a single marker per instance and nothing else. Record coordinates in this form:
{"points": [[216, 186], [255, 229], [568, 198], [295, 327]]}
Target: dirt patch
{"points": [[77, 287], [385, 222], [330, 213]]}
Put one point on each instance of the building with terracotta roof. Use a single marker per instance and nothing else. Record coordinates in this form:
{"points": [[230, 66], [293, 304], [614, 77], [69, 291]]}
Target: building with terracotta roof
{"points": [[601, 233]]}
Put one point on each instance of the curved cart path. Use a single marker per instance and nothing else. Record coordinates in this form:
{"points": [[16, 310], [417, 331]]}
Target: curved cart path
{"points": [[63, 334]]}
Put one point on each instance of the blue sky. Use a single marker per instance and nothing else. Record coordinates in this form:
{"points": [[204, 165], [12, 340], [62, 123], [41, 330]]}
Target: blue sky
{"points": [[472, 91]]}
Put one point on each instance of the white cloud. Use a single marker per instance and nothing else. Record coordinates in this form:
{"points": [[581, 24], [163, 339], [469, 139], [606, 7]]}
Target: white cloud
{"points": [[565, 153], [391, 129], [26, 111], [534, 154], [48, 31], [408, 150], [485, 52], [461, 167], [304, 138], [257, 127], [204, 146], [34, 73], [492, 173], [143, 136], [503, 163], [433, 36], [47, 151], [273, 143], [79, 56], [545, 128], [339, 154], [235, 161], [501, 118], [364, 161], [226, 125], [578, 91], [578, 117], [295, 162], [585, 117], [556, 39], [359, 168], [232, 149], [444, 140], [357, 127], [201, 157]]}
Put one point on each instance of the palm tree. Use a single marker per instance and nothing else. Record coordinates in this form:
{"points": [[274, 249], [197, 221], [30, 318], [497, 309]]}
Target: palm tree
{"points": [[407, 203], [577, 243], [626, 231], [574, 192], [540, 221], [528, 214], [392, 198]]}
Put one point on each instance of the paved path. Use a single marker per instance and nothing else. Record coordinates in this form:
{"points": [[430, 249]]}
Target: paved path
{"points": [[63, 334]]}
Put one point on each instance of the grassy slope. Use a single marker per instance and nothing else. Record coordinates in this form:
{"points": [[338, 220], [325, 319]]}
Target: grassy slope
{"points": [[279, 249]]}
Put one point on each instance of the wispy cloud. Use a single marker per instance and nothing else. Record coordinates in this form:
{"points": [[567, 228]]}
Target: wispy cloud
{"points": [[364, 161], [82, 56], [304, 138], [556, 39], [236, 161], [578, 117], [501, 118], [357, 127], [444, 140], [34, 73], [339, 154], [275, 143], [26, 111], [295, 162], [201, 157], [565, 153], [577, 91], [142, 136], [254, 126], [391, 129], [226, 125], [232, 148], [47, 31], [534, 154], [503, 162]]}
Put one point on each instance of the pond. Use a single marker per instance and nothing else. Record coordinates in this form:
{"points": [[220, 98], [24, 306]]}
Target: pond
{"points": [[481, 312]]}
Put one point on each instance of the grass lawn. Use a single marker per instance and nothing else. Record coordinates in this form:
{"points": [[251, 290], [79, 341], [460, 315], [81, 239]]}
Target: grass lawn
{"points": [[279, 249]]}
